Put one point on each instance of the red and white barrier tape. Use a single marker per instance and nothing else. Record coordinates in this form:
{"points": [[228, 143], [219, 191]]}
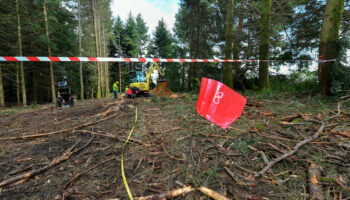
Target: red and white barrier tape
{"points": [[111, 59]]}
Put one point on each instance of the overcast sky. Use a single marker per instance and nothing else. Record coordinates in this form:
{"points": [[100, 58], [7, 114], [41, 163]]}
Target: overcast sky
{"points": [[151, 10]]}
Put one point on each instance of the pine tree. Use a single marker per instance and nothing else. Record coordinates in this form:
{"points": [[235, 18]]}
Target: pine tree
{"points": [[162, 48], [162, 41], [130, 38], [142, 30]]}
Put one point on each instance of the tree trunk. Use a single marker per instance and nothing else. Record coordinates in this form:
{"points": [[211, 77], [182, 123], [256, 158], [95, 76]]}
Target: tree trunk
{"points": [[23, 84], [94, 9], [119, 65], [2, 99], [106, 64], [194, 48], [100, 41], [52, 81], [239, 74], [35, 91], [17, 85], [329, 44], [80, 63], [264, 44], [228, 78], [120, 77]]}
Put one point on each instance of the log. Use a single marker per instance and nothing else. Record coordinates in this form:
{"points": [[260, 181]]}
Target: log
{"points": [[168, 195], [212, 194], [315, 189]]}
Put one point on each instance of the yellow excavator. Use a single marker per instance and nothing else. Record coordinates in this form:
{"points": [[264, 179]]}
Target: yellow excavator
{"points": [[139, 84]]}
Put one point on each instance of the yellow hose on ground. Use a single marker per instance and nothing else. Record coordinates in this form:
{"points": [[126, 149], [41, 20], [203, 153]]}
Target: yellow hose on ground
{"points": [[122, 160]]}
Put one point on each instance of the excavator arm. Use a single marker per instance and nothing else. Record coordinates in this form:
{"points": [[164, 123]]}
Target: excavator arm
{"points": [[151, 70]]}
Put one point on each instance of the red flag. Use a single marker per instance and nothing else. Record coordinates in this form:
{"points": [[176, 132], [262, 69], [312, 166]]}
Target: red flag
{"points": [[219, 103]]}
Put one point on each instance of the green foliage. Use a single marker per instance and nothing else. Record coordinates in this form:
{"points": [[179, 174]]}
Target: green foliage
{"points": [[130, 38], [241, 145], [295, 83], [261, 127]]}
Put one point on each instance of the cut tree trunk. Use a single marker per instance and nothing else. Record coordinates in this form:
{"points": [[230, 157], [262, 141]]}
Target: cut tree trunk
{"points": [[23, 84], [52, 81], [264, 44], [315, 189], [329, 43], [228, 76]]}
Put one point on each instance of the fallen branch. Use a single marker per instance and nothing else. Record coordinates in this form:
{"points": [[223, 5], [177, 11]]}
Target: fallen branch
{"points": [[114, 137], [295, 149], [72, 180], [212, 194], [168, 195], [170, 156], [62, 131], [314, 183], [53, 163], [220, 136], [291, 117], [21, 170], [229, 172]]}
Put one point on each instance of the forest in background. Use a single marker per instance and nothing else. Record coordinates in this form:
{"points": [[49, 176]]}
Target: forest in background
{"points": [[257, 29]]}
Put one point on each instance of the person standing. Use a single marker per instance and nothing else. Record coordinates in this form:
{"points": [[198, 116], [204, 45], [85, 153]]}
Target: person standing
{"points": [[115, 89]]}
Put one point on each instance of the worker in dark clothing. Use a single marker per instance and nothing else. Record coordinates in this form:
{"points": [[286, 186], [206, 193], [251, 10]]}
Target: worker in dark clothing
{"points": [[64, 93]]}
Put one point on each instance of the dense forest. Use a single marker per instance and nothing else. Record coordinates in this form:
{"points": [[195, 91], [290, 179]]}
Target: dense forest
{"points": [[283, 31]]}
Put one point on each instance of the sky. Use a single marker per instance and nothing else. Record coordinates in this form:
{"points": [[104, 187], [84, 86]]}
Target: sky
{"points": [[151, 10]]}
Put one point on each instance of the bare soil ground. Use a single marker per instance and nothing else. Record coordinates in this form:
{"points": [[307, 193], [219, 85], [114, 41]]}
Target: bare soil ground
{"points": [[172, 144]]}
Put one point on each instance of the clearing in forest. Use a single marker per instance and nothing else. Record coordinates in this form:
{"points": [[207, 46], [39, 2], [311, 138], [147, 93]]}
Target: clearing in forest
{"points": [[76, 151]]}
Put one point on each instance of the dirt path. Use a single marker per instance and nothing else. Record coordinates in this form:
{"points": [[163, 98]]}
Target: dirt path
{"points": [[170, 144]]}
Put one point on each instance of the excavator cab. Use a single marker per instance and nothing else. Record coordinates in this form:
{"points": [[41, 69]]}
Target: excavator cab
{"points": [[136, 77]]}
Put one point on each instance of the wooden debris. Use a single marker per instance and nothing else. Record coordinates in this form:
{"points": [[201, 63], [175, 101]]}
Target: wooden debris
{"points": [[345, 133], [220, 136], [21, 170], [252, 148], [290, 118], [251, 180], [76, 177], [53, 163], [276, 148], [264, 157], [64, 130], [289, 153], [170, 156], [168, 195], [314, 183], [212, 194]]}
